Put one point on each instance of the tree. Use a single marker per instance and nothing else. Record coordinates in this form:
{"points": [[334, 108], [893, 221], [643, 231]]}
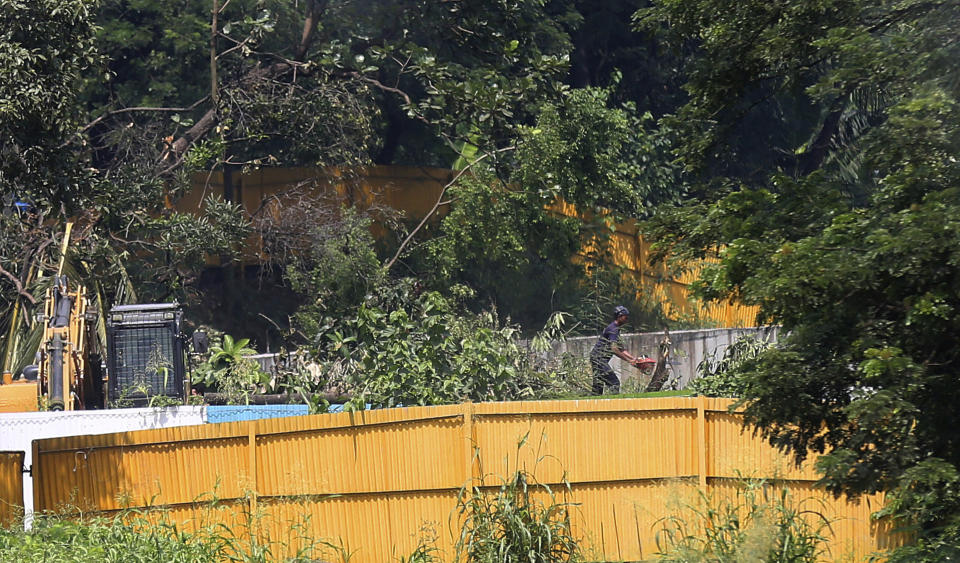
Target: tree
{"points": [[47, 51], [503, 238], [239, 85], [45, 47], [328, 83], [848, 238]]}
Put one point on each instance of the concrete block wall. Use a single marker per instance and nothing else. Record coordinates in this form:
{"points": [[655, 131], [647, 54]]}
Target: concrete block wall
{"points": [[687, 349]]}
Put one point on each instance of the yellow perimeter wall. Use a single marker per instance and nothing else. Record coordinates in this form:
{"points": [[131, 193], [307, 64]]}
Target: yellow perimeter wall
{"points": [[378, 481], [415, 190], [11, 487]]}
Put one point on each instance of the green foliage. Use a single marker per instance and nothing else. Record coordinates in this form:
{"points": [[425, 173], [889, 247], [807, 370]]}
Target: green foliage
{"points": [[848, 239], [592, 155], [927, 492], [500, 233], [45, 48], [760, 523], [229, 352], [112, 540], [409, 347], [152, 536], [511, 524], [229, 371], [508, 247], [172, 248], [333, 264], [721, 377]]}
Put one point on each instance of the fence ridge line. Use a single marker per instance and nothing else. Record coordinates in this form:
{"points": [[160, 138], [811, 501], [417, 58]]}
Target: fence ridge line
{"points": [[252, 463], [241, 436], [702, 442], [432, 491], [362, 426], [140, 445], [581, 413]]}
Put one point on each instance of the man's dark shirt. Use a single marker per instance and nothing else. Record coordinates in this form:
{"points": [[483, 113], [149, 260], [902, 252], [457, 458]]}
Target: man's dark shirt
{"points": [[603, 349]]}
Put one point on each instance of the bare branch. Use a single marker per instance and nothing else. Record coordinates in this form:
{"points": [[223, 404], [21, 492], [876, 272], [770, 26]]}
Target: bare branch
{"points": [[385, 88], [440, 202], [134, 109], [19, 286]]}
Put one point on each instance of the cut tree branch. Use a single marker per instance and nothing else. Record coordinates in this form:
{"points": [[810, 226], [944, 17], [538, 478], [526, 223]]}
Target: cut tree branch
{"points": [[178, 148]]}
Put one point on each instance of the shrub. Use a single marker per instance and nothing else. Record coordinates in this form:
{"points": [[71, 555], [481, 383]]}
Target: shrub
{"points": [[720, 377], [149, 536], [229, 371], [55, 540], [407, 347], [511, 525]]}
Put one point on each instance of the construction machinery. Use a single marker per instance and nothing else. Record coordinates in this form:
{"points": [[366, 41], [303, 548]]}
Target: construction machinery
{"points": [[132, 358], [69, 374], [144, 356]]}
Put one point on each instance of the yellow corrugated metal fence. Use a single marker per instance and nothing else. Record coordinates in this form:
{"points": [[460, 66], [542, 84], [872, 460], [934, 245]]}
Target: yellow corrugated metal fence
{"points": [[378, 481], [11, 487]]}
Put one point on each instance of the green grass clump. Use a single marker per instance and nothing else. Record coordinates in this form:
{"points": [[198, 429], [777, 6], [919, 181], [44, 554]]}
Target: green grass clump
{"points": [[149, 537], [511, 525], [60, 540], [760, 523]]}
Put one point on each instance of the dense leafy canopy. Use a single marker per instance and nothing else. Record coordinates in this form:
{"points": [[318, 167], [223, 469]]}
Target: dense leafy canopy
{"points": [[45, 48], [841, 227]]}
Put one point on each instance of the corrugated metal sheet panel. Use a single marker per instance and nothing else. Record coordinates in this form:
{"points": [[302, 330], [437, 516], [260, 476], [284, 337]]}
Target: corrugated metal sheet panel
{"points": [[11, 487], [375, 481], [587, 440], [619, 520], [144, 468], [734, 452], [19, 429]]}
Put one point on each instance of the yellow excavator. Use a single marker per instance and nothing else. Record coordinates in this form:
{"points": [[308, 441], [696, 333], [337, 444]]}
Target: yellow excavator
{"points": [[69, 375], [68, 367]]}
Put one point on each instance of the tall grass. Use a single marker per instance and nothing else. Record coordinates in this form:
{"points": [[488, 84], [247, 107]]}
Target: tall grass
{"points": [[150, 536], [517, 520], [759, 523], [55, 539], [512, 525]]}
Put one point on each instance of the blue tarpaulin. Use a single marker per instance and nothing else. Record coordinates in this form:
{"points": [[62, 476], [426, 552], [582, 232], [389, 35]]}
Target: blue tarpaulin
{"points": [[236, 413]]}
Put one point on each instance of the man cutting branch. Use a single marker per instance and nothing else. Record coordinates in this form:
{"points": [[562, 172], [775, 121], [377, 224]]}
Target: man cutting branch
{"points": [[607, 345]]}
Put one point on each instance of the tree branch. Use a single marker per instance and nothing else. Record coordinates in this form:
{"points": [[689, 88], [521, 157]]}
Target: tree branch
{"points": [[178, 148], [440, 202], [19, 286], [315, 9]]}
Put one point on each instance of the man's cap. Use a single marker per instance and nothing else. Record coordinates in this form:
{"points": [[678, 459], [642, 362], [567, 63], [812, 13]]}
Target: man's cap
{"points": [[620, 310]]}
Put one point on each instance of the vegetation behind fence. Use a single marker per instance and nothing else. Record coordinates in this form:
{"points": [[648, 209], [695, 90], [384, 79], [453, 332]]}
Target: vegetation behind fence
{"points": [[379, 482]]}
